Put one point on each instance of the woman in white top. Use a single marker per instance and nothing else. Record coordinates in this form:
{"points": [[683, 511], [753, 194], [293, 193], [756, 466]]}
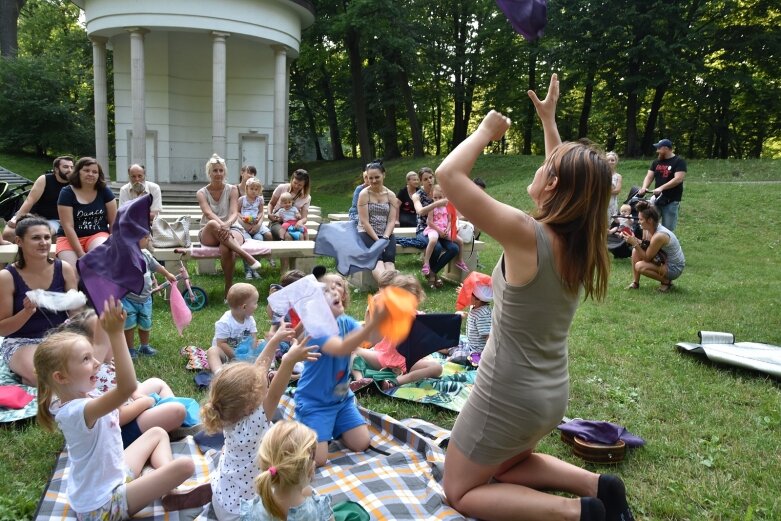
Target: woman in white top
{"points": [[219, 203]]}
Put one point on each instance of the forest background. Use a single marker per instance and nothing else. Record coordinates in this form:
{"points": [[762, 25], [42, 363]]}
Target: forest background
{"points": [[408, 78]]}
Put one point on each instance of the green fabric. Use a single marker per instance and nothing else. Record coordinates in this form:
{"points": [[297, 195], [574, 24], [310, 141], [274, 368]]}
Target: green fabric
{"points": [[359, 364], [350, 511]]}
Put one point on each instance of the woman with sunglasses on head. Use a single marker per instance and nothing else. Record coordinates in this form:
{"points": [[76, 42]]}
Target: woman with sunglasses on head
{"points": [[551, 259], [219, 202]]}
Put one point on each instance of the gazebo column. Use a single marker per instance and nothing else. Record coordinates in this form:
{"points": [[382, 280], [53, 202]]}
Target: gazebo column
{"points": [[137, 100], [280, 114], [101, 111], [218, 92]]}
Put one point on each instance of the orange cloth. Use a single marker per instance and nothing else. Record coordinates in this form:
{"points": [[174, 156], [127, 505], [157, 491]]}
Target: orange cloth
{"points": [[402, 307], [472, 280], [452, 217]]}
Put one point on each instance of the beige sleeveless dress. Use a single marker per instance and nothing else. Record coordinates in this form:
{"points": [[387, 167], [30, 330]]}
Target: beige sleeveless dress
{"points": [[522, 386]]}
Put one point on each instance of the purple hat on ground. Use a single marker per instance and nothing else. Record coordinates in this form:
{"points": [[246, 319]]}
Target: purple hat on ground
{"points": [[601, 432]]}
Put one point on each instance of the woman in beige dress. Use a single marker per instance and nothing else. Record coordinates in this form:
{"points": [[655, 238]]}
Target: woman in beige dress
{"points": [[520, 395]]}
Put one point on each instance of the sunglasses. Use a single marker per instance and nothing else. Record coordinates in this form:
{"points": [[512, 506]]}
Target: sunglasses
{"points": [[215, 160]]}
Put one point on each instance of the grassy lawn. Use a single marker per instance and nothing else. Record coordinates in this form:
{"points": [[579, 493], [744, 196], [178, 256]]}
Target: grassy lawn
{"points": [[712, 432]]}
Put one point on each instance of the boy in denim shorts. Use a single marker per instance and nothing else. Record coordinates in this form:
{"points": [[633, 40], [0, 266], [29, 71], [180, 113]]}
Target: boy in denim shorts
{"points": [[139, 307]]}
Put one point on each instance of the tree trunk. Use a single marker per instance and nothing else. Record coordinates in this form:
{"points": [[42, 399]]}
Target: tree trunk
{"points": [[310, 120], [585, 111], [359, 101], [528, 125], [649, 135], [390, 130], [459, 61], [330, 110], [9, 18], [412, 116]]}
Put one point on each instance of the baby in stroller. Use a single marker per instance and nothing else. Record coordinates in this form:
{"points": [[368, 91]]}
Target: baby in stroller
{"points": [[627, 218]]}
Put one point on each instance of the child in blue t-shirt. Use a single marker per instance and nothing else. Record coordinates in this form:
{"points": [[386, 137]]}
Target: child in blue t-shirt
{"points": [[324, 401]]}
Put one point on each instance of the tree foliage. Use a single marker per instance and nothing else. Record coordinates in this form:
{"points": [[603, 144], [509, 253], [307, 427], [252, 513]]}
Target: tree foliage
{"points": [[414, 76], [46, 92]]}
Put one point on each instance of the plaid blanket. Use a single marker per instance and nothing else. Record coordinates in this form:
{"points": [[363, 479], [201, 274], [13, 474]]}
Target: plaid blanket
{"points": [[29, 410], [398, 478]]}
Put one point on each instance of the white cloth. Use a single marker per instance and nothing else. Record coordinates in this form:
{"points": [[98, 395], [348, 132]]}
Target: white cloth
{"points": [[97, 464], [307, 298], [228, 328], [235, 477], [126, 194]]}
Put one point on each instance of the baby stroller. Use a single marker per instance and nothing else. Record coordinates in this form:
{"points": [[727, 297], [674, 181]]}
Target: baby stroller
{"points": [[615, 242]]}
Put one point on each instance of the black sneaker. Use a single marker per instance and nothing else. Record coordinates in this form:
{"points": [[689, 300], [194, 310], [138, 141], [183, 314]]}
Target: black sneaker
{"points": [[146, 350]]}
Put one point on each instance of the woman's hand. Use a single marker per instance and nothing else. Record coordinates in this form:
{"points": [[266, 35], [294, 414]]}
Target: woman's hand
{"points": [[494, 124], [28, 306], [546, 109]]}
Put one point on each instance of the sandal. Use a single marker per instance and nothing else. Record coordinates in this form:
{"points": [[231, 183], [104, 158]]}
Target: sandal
{"points": [[664, 287], [357, 385], [438, 282], [633, 285], [386, 385], [426, 269]]}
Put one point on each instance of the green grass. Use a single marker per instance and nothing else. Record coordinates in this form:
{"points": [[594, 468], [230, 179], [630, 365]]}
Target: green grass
{"points": [[712, 431]]}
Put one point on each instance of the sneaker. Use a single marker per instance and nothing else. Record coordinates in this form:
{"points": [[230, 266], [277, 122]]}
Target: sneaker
{"points": [[256, 274], [272, 262], [146, 350], [426, 269], [184, 499], [249, 274], [462, 266], [182, 432], [133, 353]]}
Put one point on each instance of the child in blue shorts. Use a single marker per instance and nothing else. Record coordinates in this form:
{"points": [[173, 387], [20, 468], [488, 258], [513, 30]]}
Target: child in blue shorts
{"points": [[139, 307], [324, 401]]}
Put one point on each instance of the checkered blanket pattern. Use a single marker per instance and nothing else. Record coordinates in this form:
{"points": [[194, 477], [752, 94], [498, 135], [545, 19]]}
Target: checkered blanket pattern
{"points": [[398, 478], [29, 410]]}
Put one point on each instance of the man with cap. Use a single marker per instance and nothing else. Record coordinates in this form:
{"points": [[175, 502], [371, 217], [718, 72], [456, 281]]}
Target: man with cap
{"points": [[668, 173], [139, 186]]}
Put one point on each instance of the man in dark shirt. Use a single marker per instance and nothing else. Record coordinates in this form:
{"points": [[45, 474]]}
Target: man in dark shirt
{"points": [[668, 173], [42, 199]]}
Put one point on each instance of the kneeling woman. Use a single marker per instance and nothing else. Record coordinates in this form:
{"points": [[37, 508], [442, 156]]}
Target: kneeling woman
{"points": [[665, 267]]}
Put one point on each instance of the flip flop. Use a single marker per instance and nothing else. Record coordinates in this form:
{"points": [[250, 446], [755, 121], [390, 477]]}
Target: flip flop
{"points": [[664, 288]]}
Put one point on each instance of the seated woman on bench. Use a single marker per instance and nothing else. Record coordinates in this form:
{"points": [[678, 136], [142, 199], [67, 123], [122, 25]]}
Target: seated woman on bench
{"points": [[219, 204]]}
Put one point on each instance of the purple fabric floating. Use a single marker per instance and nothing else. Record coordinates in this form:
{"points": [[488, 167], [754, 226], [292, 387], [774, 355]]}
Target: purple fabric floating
{"points": [[528, 17], [116, 267], [601, 432], [341, 241]]}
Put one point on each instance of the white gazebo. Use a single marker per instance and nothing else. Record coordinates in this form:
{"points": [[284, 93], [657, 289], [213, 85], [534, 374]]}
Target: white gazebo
{"points": [[194, 77]]}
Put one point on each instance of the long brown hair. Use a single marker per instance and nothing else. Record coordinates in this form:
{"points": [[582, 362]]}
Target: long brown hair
{"points": [[577, 213], [23, 225]]}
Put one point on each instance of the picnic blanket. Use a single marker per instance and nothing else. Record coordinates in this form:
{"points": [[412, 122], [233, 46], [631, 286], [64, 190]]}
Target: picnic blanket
{"points": [[398, 478], [722, 348], [449, 391], [28, 411]]}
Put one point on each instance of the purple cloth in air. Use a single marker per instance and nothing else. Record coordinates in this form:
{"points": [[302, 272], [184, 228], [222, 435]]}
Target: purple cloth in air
{"points": [[528, 17], [116, 267], [341, 241], [601, 432]]}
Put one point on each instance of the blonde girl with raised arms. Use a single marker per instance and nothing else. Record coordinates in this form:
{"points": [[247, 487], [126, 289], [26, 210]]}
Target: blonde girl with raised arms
{"points": [[287, 462], [241, 404], [104, 482]]}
